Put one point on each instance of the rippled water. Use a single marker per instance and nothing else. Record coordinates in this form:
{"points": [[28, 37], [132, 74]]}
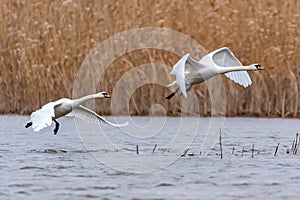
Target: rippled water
{"points": [[46, 166]]}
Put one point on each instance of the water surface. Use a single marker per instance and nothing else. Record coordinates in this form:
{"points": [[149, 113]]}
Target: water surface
{"points": [[46, 166]]}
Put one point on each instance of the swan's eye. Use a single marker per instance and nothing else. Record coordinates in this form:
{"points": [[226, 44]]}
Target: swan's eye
{"points": [[257, 65]]}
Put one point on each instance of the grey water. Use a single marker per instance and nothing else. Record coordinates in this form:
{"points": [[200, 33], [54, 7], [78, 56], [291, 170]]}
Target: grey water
{"points": [[46, 166]]}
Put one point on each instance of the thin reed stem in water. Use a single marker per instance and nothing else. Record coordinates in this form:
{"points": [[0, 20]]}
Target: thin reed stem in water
{"points": [[154, 148], [221, 152], [296, 144], [276, 149], [184, 153]]}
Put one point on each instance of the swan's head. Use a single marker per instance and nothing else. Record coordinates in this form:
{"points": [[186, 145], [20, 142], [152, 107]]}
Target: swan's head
{"points": [[258, 66], [103, 95]]}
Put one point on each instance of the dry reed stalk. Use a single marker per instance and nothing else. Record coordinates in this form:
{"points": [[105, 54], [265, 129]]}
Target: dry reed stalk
{"points": [[154, 148], [137, 149], [220, 138], [276, 149], [184, 153], [293, 146], [296, 144]]}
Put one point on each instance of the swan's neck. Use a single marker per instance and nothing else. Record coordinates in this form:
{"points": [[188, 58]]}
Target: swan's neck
{"points": [[237, 68], [77, 102]]}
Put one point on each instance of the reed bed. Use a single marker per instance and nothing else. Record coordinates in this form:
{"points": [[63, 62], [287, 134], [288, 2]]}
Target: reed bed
{"points": [[245, 151], [43, 43]]}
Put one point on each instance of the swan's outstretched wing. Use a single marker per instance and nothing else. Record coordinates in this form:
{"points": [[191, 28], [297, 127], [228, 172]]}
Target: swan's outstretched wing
{"points": [[42, 118], [192, 65], [85, 113], [179, 71], [224, 58]]}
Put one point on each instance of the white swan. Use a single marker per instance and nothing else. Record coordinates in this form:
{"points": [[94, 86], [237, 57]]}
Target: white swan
{"points": [[51, 111], [221, 61]]}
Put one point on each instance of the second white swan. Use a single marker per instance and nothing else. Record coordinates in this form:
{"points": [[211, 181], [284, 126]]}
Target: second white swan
{"points": [[221, 61]]}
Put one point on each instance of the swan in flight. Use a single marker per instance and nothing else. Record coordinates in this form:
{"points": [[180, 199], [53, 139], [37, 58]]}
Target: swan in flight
{"points": [[221, 61], [43, 117]]}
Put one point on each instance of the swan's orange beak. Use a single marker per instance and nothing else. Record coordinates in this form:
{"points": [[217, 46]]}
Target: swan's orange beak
{"points": [[107, 96], [259, 67]]}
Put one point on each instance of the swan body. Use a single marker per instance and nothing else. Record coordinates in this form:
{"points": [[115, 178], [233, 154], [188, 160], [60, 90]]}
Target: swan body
{"points": [[189, 72], [51, 111]]}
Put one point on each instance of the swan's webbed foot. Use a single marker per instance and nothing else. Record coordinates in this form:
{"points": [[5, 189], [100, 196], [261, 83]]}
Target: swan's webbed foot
{"points": [[170, 96], [56, 127], [28, 125]]}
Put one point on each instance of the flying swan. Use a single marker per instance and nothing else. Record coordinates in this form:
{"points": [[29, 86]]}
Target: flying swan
{"points": [[43, 117], [221, 61]]}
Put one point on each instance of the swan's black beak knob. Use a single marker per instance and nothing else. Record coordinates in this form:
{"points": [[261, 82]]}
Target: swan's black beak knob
{"points": [[259, 67]]}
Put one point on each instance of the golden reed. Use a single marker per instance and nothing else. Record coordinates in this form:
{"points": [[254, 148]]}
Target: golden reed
{"points": [[43, 43]]}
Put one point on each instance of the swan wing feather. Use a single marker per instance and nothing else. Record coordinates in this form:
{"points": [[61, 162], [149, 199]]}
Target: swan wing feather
{"points": [[225, 58], [192, 65], [179, 71], [43, 117], [86, 114]]}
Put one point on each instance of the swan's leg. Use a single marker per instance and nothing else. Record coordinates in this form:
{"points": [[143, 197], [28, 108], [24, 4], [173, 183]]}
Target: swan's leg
{"points": [[187, 90], [172, 94], [56, 126], [28, 125]]}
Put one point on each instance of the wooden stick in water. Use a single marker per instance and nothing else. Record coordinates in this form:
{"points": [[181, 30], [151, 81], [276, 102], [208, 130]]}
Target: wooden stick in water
{"points": [[276, 149], [137, 149], [191, 154], [184, 153], [154, 148], [232, 150], [221, 144], [243, 151], [252, 151], [296, 144], [292, 149]]}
